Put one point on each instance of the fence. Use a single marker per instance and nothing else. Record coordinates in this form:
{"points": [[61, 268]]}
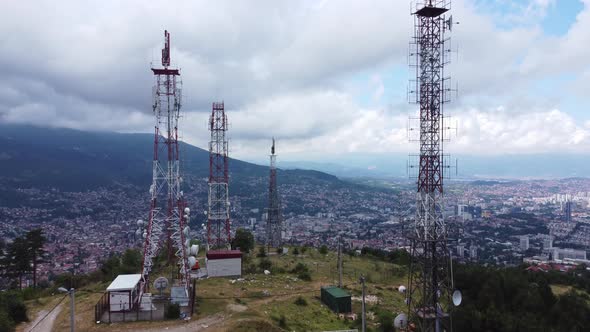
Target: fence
{"points": [[151, 309]]}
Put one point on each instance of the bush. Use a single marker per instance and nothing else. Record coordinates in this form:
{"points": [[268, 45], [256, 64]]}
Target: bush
{"points": [[172, 311], [283, 322], [300, 301], [6, 323], [295, 251], [302, 271], [279, 250], [303, 249], [261, 252], [265, 264], [304, 275], [323, 250]]}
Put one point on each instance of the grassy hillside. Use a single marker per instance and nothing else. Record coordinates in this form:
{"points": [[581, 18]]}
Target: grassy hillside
{"points": [[262, 302]]}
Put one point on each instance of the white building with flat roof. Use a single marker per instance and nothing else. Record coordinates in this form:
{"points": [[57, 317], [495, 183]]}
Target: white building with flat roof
{"points": [[123, 292]]}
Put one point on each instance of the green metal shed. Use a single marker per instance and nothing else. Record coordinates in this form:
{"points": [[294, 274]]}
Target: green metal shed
{"points": [[336, 299]]}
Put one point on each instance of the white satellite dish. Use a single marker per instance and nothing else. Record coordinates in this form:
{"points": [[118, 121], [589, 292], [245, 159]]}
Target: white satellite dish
{"points": [[140, 223], [144, 234], [450, 23], [187, 210], [457, 298], [401, 321], [161, 284], [402, 289], [194, 249], [191, 262], [187, 243], [186, 230], [138, 232]]}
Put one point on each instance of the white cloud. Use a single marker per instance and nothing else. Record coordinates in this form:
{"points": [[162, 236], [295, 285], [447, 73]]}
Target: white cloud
{"points": [[285, 69]]}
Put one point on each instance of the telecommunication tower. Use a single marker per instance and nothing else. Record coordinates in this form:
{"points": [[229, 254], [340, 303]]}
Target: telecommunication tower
{"points": [[274, 218], [430, 281], [218, 224], [169, 213]]}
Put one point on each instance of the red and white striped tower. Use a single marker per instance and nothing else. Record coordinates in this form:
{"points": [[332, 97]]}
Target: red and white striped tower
{"points": [[218, 224], [168, 212], [274, 218]]}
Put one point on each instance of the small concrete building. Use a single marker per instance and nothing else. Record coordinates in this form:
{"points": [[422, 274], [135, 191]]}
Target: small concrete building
{"points": [[123, 292], [224, 263]]}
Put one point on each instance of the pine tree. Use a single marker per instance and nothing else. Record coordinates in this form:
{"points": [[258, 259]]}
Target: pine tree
{"points": [[36, 240], [18, 259]]}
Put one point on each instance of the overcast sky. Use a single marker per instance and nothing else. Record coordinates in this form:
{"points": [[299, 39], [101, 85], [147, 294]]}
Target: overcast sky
{"points": [[323, 77]]}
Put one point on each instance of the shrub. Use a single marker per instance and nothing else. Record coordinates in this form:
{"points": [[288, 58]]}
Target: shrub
{"points": [[304, 275], [172, 311], [300, 301], [283, 322], [6, 323], [265, 264], [323, 250], [261, 252], [295, 251]]}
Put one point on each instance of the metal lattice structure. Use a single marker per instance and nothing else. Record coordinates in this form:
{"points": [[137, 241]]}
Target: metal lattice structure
{"points": [[430, 283], [168, 214], [218, 224], [274, 225]]}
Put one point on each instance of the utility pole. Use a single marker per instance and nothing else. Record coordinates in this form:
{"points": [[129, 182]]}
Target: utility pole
{"points": [[72, 292], [364, 321], [340, 261]]}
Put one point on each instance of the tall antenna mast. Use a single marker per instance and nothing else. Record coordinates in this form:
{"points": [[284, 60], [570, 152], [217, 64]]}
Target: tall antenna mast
{"points": [[168, 210], [274, 218], [218, 225], [429, 295]]}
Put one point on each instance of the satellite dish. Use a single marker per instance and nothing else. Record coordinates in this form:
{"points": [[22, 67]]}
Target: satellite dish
{"points": [[140, 223], [450, 23], [457, 298], [138, 232], [185, 217], [186, 231], [144, 234], [194, 249], [187, 210], [187, 243], [401, 321], [161, 284], [191, 261], [402, 289]]}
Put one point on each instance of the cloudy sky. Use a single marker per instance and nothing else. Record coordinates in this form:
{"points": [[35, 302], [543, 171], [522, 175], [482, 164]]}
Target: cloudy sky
{"points": [[326, 77]]}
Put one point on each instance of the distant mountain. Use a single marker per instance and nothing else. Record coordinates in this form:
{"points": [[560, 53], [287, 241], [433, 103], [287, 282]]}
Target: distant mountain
{"points": [[523, 166], [78, 160]]}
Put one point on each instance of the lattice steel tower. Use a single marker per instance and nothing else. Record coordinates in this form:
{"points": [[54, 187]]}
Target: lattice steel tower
{"points": [[430, 282], [168, 214], [218, 225], [274, 225]]}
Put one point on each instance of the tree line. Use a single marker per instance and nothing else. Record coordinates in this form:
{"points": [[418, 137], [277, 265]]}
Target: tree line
{"points": [[22, 256]]}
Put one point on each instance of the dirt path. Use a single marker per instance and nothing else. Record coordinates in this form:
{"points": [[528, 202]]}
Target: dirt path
{"points": [[46, 324], [208, 323]]}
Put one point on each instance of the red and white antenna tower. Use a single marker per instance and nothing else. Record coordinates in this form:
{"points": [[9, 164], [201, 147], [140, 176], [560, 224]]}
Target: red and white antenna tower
{"points": [[274, 220], [168, 211], [218, 224], [430, 280]]}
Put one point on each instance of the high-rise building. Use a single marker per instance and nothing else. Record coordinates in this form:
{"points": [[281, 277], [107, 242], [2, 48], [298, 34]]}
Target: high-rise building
{"points": [[567, 211], [524, 243]]}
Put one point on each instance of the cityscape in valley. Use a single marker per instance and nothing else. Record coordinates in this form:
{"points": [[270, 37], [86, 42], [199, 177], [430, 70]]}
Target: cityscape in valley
{"points": [[260, 187], [493, 217]]}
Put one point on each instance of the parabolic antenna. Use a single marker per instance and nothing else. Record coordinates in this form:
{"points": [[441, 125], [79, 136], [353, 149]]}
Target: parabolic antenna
{"points": [[457, 298], [401, 321], [191, 261], [161, 284], [402, 289]]}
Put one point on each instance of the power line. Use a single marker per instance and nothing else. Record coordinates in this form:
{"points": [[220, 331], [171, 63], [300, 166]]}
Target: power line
{"points": [[47, 314]]}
